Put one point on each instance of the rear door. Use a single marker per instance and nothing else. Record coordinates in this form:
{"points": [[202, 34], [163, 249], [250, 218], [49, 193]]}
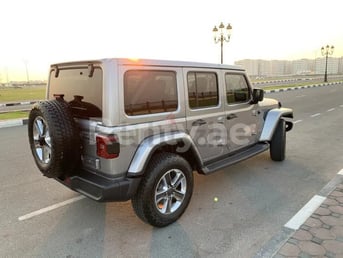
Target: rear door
{"points": [[205, 112], [82, 87]]}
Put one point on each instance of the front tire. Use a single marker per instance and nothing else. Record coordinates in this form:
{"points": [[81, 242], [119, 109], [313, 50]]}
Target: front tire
{"points": [[165, 191], [278, 142]]}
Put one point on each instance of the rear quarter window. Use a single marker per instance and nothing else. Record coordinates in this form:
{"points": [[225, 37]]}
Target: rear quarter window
{"points": [[149, 92]]}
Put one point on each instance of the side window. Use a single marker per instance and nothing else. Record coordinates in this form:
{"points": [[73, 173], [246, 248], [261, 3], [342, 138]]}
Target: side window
{"points": [[149, 92], [237, 90], [202, 89]]}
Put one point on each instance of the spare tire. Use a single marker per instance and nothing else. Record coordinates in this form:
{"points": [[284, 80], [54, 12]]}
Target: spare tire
{"points": [[54, 138]]}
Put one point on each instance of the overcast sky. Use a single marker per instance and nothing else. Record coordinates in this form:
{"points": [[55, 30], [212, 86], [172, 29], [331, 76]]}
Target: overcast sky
{"points": [[41, 32]]}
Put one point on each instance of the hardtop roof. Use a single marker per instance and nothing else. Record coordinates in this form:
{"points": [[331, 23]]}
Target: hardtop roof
{"points": [[152, 62]]}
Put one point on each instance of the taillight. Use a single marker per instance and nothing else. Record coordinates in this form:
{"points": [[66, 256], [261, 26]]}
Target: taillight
{"points": [[107, 146]]}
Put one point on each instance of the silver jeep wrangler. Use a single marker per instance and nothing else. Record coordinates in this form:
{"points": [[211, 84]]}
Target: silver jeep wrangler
{"points": [[121, 129]]}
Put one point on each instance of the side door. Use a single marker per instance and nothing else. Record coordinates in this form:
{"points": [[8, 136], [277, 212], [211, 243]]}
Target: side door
{"points": [[205, 115], [243, 119]]}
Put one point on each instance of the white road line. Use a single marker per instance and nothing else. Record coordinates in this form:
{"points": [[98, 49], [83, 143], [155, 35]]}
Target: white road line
{"points": [[331, 109], [50, 208], [340, 172], [300, 96], [341, 105], [318, 114], [305, 212], [298, 121]]}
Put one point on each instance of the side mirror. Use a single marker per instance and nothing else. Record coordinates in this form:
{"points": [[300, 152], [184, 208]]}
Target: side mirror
{"points": [[257, 95]]}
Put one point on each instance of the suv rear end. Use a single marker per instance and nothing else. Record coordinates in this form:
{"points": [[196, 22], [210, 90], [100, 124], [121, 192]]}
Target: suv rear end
{"points": [[76, 90]]}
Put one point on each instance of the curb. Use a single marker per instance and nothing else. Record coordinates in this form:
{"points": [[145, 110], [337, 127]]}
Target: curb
{"points": [[13, 122], [17, 103], [274, 81], [271, 248], [303, 87]]}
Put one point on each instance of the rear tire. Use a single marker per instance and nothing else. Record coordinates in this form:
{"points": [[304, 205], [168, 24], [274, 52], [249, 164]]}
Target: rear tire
{"points": [[278, 142], [165, 191], [54, 138]]}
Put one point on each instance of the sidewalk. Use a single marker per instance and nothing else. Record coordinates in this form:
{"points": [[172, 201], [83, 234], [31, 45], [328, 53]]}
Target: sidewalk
{"points": [[321, 235]]}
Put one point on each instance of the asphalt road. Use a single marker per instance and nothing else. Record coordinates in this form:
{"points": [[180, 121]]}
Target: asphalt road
{"points": [[255, 198]]}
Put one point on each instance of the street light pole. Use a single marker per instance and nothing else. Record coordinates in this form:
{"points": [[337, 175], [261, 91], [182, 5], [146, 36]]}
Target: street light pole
{"points": [[222, 35], [326, 52]]}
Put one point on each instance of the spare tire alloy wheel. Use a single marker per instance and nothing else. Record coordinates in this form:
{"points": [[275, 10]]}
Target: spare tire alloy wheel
{"points": [[42, 140]]}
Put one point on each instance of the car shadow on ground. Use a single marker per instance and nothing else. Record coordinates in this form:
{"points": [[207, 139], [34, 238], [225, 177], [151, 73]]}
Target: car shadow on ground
{"points": [[91, 229], [246, 194]]}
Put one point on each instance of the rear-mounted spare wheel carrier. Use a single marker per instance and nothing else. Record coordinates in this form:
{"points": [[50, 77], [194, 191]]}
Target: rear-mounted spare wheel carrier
{"points": [[54, 138]]}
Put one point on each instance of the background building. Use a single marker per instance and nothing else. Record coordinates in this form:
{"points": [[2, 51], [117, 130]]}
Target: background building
{"points": [[340, 65], [263, 68], [333, 65]]}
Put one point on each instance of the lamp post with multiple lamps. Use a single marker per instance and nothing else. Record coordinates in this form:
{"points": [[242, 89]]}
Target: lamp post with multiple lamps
{"points": [[326, 51], [222, 34]]}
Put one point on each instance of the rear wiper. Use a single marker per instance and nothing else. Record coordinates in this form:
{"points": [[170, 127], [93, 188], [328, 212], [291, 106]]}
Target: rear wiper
{"points": [[90, 70], [57, 71]]}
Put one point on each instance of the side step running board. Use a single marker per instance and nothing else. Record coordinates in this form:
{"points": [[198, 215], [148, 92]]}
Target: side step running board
{"points": [[235, 158]]}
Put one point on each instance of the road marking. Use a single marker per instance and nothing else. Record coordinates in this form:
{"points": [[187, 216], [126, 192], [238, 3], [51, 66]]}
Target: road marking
{"points": [[298, 121], [331, 109], [50, 208], [318, 114], [340, 172], [341, 105], [300, 96], [298, 219]]}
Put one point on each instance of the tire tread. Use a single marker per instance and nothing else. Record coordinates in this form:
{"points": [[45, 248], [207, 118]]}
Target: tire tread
{"points": [[142, 202], [278, 142]]}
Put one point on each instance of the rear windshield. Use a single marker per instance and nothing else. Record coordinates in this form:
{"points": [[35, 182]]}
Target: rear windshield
{"points": [[81, 88]]}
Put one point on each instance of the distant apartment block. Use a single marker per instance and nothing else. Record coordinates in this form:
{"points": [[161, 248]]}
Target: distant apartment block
{"points": [[261, 68]]}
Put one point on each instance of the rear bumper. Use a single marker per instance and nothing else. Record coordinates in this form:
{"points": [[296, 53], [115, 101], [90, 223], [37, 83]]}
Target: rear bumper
{"points": [[101, 188]]}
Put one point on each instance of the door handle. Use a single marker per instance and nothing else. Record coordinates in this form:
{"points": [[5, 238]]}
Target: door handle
{"points": [[231, 116], [199, 122]]}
